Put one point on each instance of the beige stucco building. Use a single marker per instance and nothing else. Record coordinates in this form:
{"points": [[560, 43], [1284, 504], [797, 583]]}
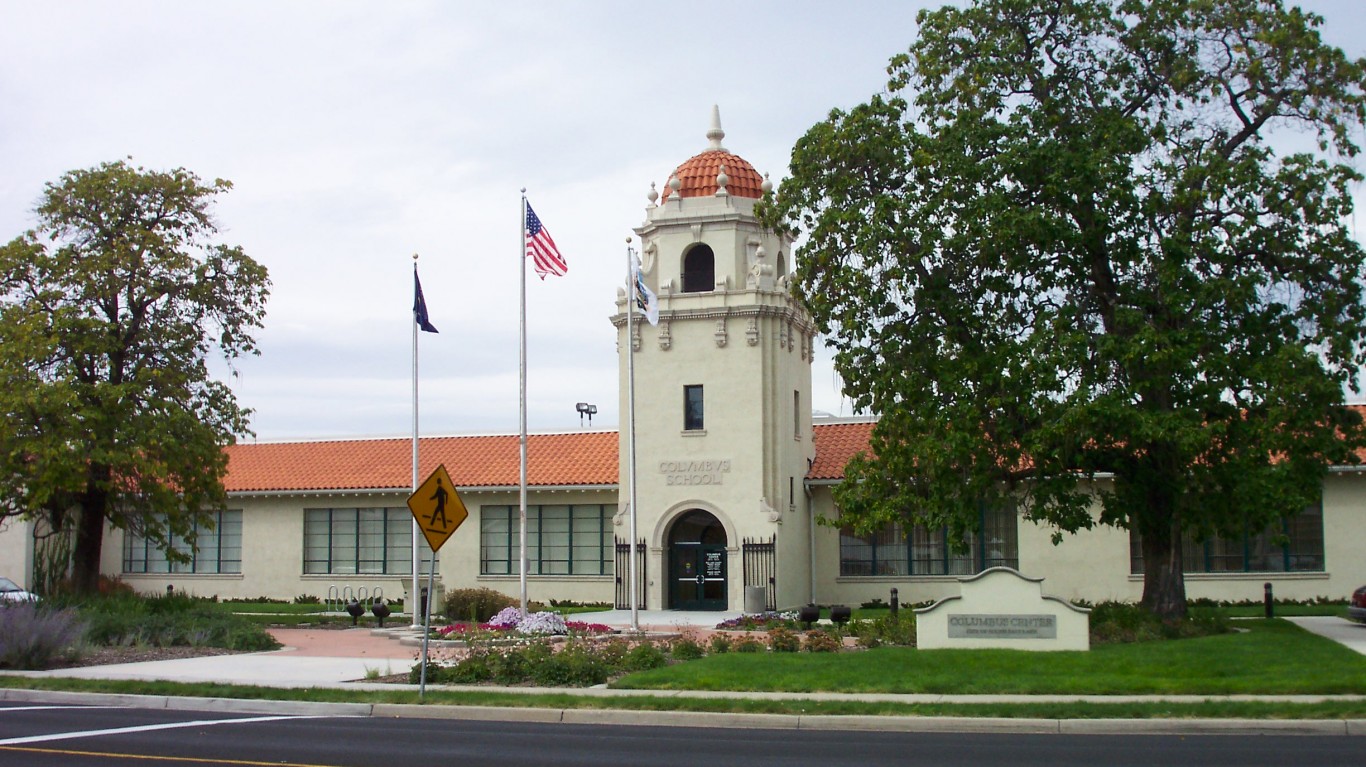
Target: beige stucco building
{"points": [[733, 476]]}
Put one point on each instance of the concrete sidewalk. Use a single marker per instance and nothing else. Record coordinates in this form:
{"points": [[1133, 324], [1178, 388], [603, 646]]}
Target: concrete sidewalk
{"points": [[1340, 630]]}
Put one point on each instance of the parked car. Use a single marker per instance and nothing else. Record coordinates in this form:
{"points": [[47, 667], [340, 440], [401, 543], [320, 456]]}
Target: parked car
{"points": [[1356, 610], [10, 592]]}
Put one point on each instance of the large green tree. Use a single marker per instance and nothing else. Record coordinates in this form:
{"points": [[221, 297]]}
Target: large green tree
{"points": [[109, 310], [1068, 262]]}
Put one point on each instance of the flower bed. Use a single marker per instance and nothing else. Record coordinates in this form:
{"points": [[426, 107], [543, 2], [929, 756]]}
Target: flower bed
{"points": [[510, 624], [759, 621]]}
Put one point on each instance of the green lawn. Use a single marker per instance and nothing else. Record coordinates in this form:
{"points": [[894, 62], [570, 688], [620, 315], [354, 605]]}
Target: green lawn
{"points": [[1213, 709], [1271, 657]]}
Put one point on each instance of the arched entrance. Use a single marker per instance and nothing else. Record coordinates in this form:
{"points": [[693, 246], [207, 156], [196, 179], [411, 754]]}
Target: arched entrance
{"points": [[697, 562]]}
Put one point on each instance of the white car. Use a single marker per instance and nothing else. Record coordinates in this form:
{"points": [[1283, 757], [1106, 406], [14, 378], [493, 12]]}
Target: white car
{"points": [[10, 593]]}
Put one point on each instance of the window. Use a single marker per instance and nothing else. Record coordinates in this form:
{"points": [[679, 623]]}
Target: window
{"points": [[699, 270], [692, 407], [217, 549], [560, 540], [375, 541], [1291, 545], [797, 414], [890, 551]]}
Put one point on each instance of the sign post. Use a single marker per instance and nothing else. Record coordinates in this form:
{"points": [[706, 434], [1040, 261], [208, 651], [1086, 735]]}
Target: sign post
{"points": [[438, 511]]}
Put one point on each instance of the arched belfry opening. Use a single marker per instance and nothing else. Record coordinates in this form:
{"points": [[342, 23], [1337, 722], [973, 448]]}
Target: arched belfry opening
{"points": [[697, 562], [699, 269]]}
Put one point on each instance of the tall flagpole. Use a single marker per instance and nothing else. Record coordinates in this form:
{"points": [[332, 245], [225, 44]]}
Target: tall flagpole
{"points": [[414, 595], [632, 566], [521, 368]]}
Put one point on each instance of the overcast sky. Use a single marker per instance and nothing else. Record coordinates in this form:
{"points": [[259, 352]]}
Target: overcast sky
{"points": [[359, 133]]}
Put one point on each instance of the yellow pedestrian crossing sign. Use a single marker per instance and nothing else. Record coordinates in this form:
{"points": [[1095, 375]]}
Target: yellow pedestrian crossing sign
{"points": [[437, 508]]}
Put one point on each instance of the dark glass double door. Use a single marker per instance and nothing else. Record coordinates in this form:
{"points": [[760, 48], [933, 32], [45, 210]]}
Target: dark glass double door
{"points": [[697, 576]]}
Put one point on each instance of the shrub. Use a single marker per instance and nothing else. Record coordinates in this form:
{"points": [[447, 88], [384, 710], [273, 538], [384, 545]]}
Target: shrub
{"points": [[169, 621], [575, 665], [643, 656], [477, 605], [686, 649], [32, 637], [889, 629], [749, 644], [613, 652], [821, 641], [783, 640], [1122, 622], [307, 599], [475, 667], [720, 643]]}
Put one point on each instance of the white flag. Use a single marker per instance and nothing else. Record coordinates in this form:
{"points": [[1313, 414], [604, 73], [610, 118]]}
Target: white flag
{"points": [[645, 298]]}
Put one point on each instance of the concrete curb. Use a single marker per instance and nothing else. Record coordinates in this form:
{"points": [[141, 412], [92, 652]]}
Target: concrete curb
{"points": [[928, 724], [185, 703]]}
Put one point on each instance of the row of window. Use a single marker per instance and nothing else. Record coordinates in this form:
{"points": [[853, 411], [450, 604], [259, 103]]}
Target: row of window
{"points": [[1293, 545], [578, 540], [890, 551], [561, 540], [217, 549]]}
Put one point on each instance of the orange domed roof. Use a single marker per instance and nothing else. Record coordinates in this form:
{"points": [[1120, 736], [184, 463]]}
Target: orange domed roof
{"points": [[698, 176]]}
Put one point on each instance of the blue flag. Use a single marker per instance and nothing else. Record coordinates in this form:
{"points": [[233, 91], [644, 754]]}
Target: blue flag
{"points": [[420, 305]]}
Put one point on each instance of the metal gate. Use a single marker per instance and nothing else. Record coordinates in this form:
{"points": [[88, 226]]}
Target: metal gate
{"points": [[623, 570], [759, 559]]}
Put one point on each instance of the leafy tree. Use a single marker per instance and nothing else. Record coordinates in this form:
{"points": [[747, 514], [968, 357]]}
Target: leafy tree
{"points": [[108, 311], [1064, 260]]}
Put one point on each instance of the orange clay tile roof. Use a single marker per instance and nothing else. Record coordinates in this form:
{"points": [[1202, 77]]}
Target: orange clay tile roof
{"points": [[836, 443], [553, 460], [584, 458], [564, 460], [698, 176]]}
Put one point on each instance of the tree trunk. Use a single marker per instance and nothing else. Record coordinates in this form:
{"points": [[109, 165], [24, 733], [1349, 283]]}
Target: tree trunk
{"points": [[1164, 580], [85, 564]]}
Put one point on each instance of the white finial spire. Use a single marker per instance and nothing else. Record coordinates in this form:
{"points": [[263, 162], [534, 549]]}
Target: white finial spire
{"points": [[715, 134]]}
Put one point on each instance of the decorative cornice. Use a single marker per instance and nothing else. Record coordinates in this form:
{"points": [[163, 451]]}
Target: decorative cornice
{"points": [[790, 315]]}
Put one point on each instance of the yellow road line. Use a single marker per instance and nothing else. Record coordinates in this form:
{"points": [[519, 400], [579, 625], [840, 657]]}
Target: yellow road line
{"points": [[156, 758]]}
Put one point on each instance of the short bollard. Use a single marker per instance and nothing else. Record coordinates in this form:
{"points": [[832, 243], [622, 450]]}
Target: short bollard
{"points": [[381, 611], [355, 610], [896, 603], [1267, 600]]}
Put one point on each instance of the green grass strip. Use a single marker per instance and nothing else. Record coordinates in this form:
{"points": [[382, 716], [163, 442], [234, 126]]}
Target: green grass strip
{"points": [[1213, 709]]}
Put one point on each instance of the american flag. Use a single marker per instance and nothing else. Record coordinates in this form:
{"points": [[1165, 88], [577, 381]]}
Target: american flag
{"points": [[540, 248]]}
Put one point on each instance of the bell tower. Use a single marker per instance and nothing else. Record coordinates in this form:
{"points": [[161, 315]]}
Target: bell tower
{"points": [[722, 395]]}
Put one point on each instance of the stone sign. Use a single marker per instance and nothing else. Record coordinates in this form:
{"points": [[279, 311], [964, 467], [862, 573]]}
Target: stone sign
{"points": [[1001, 608]]}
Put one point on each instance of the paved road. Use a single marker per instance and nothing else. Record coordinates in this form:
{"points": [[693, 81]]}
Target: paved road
{"points": [[82, 736]]}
